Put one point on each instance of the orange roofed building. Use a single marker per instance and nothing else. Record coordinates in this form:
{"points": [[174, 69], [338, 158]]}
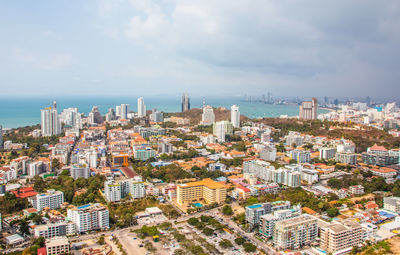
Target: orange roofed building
{"points": [[208, 190]]}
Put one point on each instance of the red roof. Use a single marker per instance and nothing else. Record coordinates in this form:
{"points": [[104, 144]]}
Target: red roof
{"points": [[41, 251], [377, 148], [24, 192], [243, 188], [128, 172]]}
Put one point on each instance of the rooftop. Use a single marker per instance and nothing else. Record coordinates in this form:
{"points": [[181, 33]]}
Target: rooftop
{"points": [[205, 182]]}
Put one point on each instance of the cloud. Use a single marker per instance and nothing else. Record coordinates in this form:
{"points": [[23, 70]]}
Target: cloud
{"points": [[293, 48], [54, 62]]}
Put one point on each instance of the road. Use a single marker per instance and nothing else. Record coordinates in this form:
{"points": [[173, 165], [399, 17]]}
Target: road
{"points": [[131, 246]]}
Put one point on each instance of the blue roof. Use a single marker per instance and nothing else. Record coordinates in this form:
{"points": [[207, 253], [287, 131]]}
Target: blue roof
{"points": [[254, 206], [386, 214], [83, 206]]}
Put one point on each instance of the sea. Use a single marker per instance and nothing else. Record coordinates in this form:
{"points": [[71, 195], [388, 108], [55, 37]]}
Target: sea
{"points": [[20, 112]]}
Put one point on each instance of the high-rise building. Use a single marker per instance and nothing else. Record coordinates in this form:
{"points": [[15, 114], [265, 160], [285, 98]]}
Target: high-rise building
{"points": [[71, 117], [267, 221], [118, 111], [156, 116], [336, 237], [295, 233], [327, 153], [141, 107], [185, 102], [124, 111], [235, 116], [52, 199], [221, 129], [254, 212], [111, 115], [95, 116], [208, 117], [50, 123], [80, 172], [308, 110], [89, 217], [1, 137], [114, 191]]}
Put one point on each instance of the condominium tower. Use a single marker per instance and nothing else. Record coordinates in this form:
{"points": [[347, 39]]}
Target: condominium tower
{"points": [[235, 116], [50, 122], [52, 199], [89, 217], [208, 117], [141, 107], [295, 233]]}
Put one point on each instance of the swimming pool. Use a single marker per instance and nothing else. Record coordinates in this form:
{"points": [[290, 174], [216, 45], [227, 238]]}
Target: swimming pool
{"points": [[198, 205]]}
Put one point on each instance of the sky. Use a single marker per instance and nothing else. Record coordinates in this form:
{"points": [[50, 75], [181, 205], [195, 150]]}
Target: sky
{"points": [[204, 47]]}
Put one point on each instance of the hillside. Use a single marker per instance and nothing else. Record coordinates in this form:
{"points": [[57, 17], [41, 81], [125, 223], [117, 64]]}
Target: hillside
{"points": [[195, 115], [363, 138]]}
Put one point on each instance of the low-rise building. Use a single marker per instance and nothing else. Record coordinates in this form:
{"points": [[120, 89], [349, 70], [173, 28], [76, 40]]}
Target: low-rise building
{"points": [[207, 189], [356, 190], [391, 204], [58, 245]]}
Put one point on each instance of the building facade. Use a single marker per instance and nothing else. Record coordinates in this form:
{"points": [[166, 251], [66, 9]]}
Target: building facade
{"points": [[89, 217], [308, 110], [208, 190], [295, 233], [235, 116], [52, 199]]}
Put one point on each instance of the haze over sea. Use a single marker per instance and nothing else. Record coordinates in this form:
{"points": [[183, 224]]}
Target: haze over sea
{"points": [[19, 112]]}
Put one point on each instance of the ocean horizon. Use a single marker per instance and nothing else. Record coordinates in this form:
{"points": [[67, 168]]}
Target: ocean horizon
{"points": [[20, 112]]}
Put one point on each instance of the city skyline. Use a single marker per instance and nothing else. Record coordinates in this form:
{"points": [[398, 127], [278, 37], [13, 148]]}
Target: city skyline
{"points": [[204, 48]]}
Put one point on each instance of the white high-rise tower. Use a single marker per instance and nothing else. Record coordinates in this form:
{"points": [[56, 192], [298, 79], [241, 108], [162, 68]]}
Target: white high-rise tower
{"points": [[50, 122], [235, 116], [124, 111], [141, 107]]}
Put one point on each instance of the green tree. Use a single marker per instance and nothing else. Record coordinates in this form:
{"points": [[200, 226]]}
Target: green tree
{"points": [[240, 241], [249, 247], [101, 240], [193, 221], [208, 231], [227, 210], [225, 243], [332, 212], [335, 183]]}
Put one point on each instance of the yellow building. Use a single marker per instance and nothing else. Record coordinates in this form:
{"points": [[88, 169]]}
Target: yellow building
{"points": [[207, 189]]}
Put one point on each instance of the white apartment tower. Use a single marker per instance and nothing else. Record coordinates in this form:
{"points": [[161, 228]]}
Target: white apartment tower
{"points": [[141, 107], [235, 116], [89, 217], [208, 117], [50, 122], [124, 111], [52, 199]]}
